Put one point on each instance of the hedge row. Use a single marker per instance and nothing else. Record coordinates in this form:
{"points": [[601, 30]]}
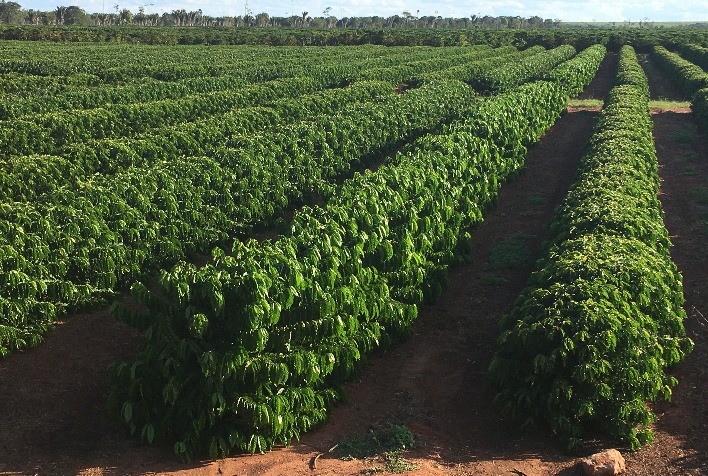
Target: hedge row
{"points": [[688, 76], [250, 351], [591, 337]]}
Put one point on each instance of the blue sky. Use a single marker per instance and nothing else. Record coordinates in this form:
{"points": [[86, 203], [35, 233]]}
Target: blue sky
{"points": [[566, 10]]}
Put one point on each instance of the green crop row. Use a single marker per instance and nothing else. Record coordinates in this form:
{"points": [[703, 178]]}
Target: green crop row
{"points": [[573, 74], [590, 339], [699, 106], [630, 72], [691, 78], [468, 72], [119, 63], [696, 54], [333, 72], [27, 177], [51, 133], [527, 69], [35, 178], [19, 83], [81, 240], [688, 76], [249, 351]]}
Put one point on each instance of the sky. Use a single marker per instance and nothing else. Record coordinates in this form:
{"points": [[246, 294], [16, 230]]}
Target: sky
{"points": [[565, 10]]}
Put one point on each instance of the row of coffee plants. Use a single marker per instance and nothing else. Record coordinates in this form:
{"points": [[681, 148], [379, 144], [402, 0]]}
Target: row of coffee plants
{"points": [[47, 134], [117, 63], [407, 72], [590, 339], [574, 72], [25, 178], [699, 106], [688, 76], [696, 54], [692, 78], [527, 69], [20, 85], [79, 240], [259, 64], [630, 72], [468, 72], [329, 73], [249, 351], [35, 178]]}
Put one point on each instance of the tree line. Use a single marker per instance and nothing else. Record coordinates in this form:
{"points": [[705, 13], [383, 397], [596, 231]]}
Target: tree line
{"points": [[12, 13]]}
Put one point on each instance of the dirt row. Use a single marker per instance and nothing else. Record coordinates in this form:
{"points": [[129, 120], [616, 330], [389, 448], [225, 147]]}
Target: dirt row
{"points": [[53, 397]]}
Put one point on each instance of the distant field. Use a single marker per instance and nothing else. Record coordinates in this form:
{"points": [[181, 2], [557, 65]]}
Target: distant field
{"points": [[210, 246], [634, 24]]}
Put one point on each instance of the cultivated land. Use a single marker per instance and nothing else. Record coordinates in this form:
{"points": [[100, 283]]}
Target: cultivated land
{"points": [[380, 210]]}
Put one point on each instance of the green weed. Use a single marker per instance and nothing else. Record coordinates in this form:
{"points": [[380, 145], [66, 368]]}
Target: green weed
{"points": [[537, 199], [513, 252], [494, 280], [388, 439], [700, 195], [683, 137]]}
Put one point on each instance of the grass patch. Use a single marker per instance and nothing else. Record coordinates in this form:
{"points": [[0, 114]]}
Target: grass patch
{"points": [[653, 104], [664, 104], [388, 439], [395, 463], [513, 252], [700, 195], [494, 280], [529, 213], [688, 171], [683, 137], [537, 199], [690, 155], [703, 225], [585, 102]]}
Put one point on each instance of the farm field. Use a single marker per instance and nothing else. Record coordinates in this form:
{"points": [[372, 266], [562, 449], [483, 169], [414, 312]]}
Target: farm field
{"points": [[324, 241]]}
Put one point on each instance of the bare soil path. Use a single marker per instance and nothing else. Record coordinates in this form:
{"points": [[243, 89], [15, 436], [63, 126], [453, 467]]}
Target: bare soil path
{"points": [[603, 80], [660, 86]]}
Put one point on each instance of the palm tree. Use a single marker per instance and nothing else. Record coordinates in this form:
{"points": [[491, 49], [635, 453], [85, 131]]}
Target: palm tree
{"points": [[59, 14]]}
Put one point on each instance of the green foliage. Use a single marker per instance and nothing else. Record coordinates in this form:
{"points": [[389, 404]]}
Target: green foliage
{"points": [[397, 465], [512, 252], [699, 106], [577, 72], [613, 38], [526, 69], [67, 240], [696, 54], [389, 438], [630, 72], [469, 72], [251, 350], [688, 76], [591, 337]]}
